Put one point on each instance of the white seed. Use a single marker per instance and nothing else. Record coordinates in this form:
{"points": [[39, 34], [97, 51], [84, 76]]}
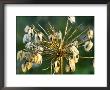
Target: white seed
{"points": [[36, 38], [23, 67], [88, 46], [40, 36], [28, 45], [71, 19], [31, 32], [67, 68], [57, 67], [20, 55], [90, 34], [75, 43], [26, 38], [73, 49], [72, 64], [26, 29], [75, 57], [59, 35]]}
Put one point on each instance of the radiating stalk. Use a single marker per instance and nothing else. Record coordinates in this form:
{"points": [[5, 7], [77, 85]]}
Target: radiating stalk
{"points": [[66, 28], [86, 57], [72, 34], [43, 29], [79, 35]]}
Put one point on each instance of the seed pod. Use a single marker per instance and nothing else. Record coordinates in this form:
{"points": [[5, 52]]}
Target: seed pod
{"points": [[76, 57], [20, 55], [72, 64], [29, 65], [88, 45], [56, 66], [90, 34], [38, 59], [26, 38], [23, 67], [73, 49], [67, 68], [40, 36], [71, 19], [26, 29]]}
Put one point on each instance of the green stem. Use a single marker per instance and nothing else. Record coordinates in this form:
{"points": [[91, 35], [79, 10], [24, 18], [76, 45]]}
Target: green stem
{"points": [[86, 57]]}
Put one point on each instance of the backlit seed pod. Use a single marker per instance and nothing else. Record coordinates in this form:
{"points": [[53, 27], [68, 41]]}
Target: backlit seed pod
{"points": [[67, 68], [75, 43], [71, 19], [73, 49], [26, 29], [31, 32], [56, 66], [59, 35], [28, 45], [88, 45], [90, 34], [40, 36], [26, 38], [72, 64], [23, 67], [29, 65], [38, 59], [76, 57], [20, 55], [40, 48], [36, 38], [51, 37]]}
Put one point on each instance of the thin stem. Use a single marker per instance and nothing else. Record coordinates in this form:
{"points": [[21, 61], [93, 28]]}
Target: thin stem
{"points": [[82, 42], [51, 28], [46, 68], [72, 34], [43, 29], [86, 57], [79, 35], [66, 28], [76, 37]]}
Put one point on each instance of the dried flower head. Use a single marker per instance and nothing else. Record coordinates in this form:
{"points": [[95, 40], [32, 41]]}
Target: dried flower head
{"points": [[61, 50]]}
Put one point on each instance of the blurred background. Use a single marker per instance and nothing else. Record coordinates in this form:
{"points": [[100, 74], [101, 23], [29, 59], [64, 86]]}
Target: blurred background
{"points": [[59, 22]]}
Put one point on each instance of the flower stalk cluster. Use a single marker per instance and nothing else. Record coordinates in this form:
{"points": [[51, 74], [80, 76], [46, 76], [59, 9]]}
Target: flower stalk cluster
{"points": [[52, 43]]}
